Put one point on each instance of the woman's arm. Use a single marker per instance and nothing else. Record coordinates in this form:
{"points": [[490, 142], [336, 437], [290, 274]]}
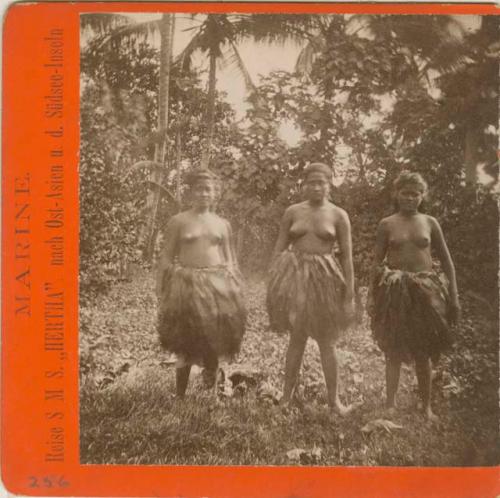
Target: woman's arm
{"points": [[438, 243], [380, 244], [343, 229], [228, 250], [283, 240], [168, 252]]}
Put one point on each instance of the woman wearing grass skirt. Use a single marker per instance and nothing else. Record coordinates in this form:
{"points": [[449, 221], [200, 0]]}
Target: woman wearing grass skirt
{"points": [[310, 292], [202, 315], [412, 305]]}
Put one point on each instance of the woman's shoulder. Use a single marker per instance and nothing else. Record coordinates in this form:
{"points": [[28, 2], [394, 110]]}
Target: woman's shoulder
{"points": [[432, 222], [180, 219], [388, 222], [293, 209], [428, 217], [297, 206], [220, 219], [337, 211]]}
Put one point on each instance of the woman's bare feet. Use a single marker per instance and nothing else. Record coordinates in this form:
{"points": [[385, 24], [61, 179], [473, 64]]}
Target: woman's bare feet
{"points": [[344, 410], [390, 410], [430, 415]]}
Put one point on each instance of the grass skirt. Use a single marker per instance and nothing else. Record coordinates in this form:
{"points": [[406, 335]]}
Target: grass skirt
{"points": [[305, 295], [202, 314], [409, 313]]}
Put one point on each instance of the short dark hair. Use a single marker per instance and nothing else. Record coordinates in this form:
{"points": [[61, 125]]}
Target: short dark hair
{"points": [[410, 178], [318, 168], [196, 175]]}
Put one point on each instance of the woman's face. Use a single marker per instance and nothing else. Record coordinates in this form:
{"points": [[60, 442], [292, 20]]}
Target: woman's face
{"points": [[203, 193], [316, 186], [409, 197]]}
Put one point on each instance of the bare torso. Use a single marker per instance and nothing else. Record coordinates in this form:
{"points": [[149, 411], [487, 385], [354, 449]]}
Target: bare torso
{"points": [[200, 240], [312, 228], [408, 241]]}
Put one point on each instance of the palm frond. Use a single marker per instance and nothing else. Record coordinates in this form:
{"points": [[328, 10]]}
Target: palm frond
{"points": [[451, 64], [373, 25], [137, 31], [238, 61], [305, 59], [307, 55], [185, 57], [103, 23], [278, 28]]}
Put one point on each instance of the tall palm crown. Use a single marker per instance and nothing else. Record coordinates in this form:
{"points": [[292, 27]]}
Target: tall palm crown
{"points": [[215, 35], [217, 38]]}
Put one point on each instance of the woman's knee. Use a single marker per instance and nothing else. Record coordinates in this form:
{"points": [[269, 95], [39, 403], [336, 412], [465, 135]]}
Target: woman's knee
{"points": [[422, 361], [326, 345], [297, 341]]}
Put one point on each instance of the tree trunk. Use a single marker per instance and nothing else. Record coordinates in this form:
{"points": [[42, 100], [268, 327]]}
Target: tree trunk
{"points": [[361, 168], [210, 111], [476, 143], [472, 141], [326, 122], [167, 26], [178, 147]]}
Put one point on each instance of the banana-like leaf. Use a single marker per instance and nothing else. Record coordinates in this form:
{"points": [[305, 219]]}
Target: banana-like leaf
{"points": [[164, 189], [152, 165]]}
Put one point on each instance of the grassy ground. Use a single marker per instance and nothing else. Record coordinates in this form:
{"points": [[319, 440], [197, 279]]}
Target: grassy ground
{"points": [[129, 415]]}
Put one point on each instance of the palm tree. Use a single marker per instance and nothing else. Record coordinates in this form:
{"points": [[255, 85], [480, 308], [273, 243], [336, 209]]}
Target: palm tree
{"points": [[113, 29], [473, 90], [167, 26], [311, 32], [428, 45], [217, 37], [440, 45]]}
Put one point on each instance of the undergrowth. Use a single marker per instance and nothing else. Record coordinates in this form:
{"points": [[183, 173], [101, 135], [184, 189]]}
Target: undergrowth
{"points": [[128, 414]]}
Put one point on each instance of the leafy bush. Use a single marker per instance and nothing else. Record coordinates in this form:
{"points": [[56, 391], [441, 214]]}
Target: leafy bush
{"points": [[385, 119]]}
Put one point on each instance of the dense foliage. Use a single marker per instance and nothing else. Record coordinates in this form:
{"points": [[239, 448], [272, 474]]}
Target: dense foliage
{"points": [[371, 95], [118, 137]]}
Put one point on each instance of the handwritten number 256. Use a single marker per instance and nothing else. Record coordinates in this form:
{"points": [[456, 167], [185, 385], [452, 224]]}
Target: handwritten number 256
{"points": [[47, 482]]}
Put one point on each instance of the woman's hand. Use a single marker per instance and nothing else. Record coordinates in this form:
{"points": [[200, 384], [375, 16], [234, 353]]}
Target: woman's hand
{"points": [[349, 309], [160, 282], [370, 301], [235, 270]]}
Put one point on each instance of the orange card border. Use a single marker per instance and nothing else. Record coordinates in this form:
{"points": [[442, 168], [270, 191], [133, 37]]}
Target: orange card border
{"points": [[29, 278]]}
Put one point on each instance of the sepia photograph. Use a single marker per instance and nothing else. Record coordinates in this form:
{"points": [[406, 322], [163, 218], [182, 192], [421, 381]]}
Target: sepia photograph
{"points": [[289, 239]]}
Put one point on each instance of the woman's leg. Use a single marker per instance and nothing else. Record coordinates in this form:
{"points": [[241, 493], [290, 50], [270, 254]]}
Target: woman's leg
{"points": [[181, 379], [329, 362], [424, 376], [294, 355], [211, 368], [392, 374]]}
